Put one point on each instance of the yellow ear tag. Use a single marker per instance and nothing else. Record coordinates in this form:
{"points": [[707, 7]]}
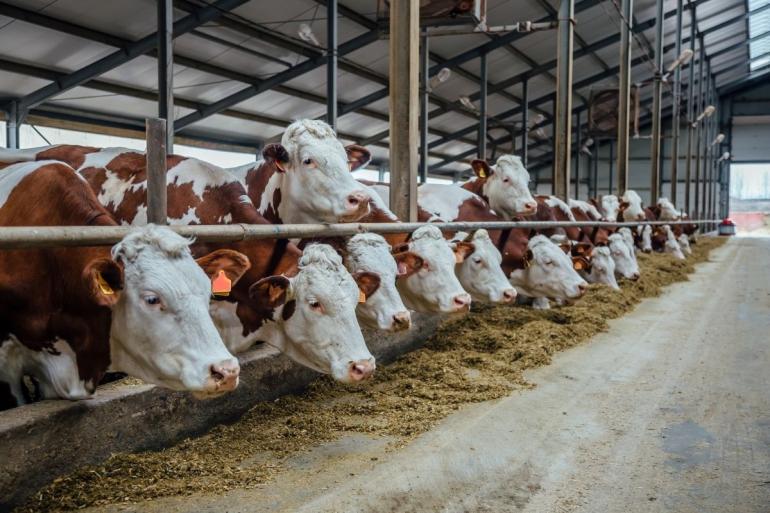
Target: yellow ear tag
{"points": [[361, 296], [578, 265], [221, 285], [482, 173], [104, 287]]}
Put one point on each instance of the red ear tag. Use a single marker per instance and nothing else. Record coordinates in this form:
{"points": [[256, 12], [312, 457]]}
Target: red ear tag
{"points": [[221, 285], [104, 287], [361, 296]]}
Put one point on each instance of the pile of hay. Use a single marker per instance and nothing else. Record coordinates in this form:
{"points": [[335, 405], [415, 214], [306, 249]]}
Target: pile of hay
{"points": [[475, 358]]}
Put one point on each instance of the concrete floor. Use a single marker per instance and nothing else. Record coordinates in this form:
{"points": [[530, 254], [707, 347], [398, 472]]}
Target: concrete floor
{"points": [[668, 411]]}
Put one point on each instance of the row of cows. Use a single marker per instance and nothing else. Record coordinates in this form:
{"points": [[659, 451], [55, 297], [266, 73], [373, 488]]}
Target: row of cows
{"points": [[174, 312]]}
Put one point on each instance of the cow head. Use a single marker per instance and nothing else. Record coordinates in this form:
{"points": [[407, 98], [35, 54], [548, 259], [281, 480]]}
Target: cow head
{"points": [[608, 206], [632, 207], [316, 310], [623, 255], [434, 287], [549, 273], [383, 308], [671, 246], [316, 183], [684, 243], [506, 186], [602, 268], [668, 212], [480, 272], [161, 330]]}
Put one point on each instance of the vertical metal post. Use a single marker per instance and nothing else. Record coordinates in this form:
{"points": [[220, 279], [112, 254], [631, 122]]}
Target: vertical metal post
{"points": [[699, 106], [675, 121], [524, 121], [156, 171], [563, 114], [709, 138], [579, 143], [12, 125], [404, 80], [595, 162], [724, 197], [657, 98], [624, 92], [331, 63], [482, 142], [610, 161], [424, 104], [166, 69], [690, 114]]}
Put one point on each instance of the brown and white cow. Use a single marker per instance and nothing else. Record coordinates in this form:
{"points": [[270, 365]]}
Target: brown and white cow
{"points": [[306, 178], [504, 186], [281, 299], [69, 314]]}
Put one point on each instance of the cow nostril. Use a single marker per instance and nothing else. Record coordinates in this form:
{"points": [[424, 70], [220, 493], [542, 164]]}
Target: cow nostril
{"points": [[402, 319], [217, 373], [360, 370], [509, 295]]}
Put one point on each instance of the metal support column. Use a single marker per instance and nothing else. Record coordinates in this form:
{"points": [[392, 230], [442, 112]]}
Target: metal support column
{"points": [[724, 197], [482, 143], [579, 143], [595, 163], [156, 170], [675, 121], [331, 63], [524, 121], [563, 114], [699, 106], [709, 138], [690, 115], [166, 69], [14, 117], [624, 93], [404, 80], [611, 172], [424, 104], [657, 97]]}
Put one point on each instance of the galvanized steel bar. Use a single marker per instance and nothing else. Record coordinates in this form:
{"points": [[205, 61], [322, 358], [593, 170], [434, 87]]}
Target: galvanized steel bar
{"points": [[610, 174], [525, 122], [404, 106], [624, 92], [699, 106], [690, 115], [26, 237], [157, 209], [166, 68], [563, 114], [424, 102], [579, 143], [675, 120], [657, 98], [331, 63], [12, 125], [483, 83]]}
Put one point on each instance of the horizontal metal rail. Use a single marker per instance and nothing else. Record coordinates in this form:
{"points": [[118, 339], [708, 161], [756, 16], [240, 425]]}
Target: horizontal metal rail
{"points": [[28, 237]]}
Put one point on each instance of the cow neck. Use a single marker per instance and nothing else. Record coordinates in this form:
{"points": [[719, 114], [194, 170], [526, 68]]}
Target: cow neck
{"points": [[71, 154], [477, 187], [257, 181]]}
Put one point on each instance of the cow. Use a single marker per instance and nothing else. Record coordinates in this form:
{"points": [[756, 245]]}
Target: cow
{"points": [[67, 315], [306, 178], [608, 205], [671, 245], [505, 187], [256, 309], [623, 255], [650, 239], [481, 273], [585, 211], [550, 274], [601, 272], [666, 211]]}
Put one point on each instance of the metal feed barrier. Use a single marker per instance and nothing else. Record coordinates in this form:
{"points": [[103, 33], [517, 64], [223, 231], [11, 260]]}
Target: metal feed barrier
{"points": [[28, 237]]}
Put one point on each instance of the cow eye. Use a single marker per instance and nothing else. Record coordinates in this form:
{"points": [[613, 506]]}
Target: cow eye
{"points": [[506, 180], [548, 262], [476, 260], [315, 305], [308, 162], [152, 300]]}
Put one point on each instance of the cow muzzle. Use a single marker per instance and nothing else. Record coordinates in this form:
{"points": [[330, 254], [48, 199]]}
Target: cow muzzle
{"points": [[223, 377], [461, 303], [402, 321], [356, 206], [361, 370], [530, 207]]}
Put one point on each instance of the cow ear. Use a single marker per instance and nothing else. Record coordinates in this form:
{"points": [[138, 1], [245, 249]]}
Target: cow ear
{"points": [[481, 168], [462, 251], [227, 262], [593, 202], [104, 279], [624, 205], [271, 292], [400, 248], [276, 153], [408, 263], [358, 156], [529, 257], [368, 283], [580, 263]]}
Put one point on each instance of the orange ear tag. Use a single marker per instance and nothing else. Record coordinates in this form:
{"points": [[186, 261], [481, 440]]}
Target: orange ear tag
{"points": [[104, 287], [221, 285], [361, 296]]}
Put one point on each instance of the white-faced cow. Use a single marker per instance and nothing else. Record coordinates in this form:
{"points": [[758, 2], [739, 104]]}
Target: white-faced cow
{"points": [[481, 273], [70, 314], [623, 254], [306, 178], [504, 186]]}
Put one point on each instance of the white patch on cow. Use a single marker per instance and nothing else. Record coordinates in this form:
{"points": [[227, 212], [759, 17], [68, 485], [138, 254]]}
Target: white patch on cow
{"points": [[317, 183], [480, 273], [243, 198], [610, 205], [628, 238], [114, 189], [684, 243], [12, 363], [635, 209], [602, 268], [10, 155], [240, 172], [225, 219], [12, 175], [201, 175], [189, 217], [435, 287], [589, 210], [671, 245], [554, 202], [371, 252], [173, 343], [623, 255], [668, 212], [443, 201], [58, 373], [266, 199], [550, 273], [646, 238], [508, 188]]}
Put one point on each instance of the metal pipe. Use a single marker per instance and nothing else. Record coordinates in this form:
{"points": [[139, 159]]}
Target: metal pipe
{"points": [[595, 163], [708, 153], [331, 63], [424, 103], [157, 209], [610, 161], [700, 104], [690, 115], [675, 121], [563, 113], [577, 159], [166, 68], [524, 122], [404, 80], [12, 125], [27, 237], [482, 143], [624, 92], [657, 98]]}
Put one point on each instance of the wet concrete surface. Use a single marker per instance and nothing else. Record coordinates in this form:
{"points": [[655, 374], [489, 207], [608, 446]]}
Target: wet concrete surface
{"points": [[668, 411]]}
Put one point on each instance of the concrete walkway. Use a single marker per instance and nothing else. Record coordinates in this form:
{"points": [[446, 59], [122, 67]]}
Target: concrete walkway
{"points": [[668, 411]]}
